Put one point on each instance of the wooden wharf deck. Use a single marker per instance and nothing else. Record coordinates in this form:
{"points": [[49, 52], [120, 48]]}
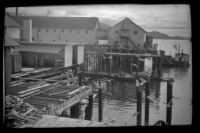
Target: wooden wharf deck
{"points": [[115, 76], [63, 98], [51, 90], [125, 54]]}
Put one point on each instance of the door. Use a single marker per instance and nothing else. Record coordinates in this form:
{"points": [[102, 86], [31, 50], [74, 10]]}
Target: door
{"points": [[75, 55]]}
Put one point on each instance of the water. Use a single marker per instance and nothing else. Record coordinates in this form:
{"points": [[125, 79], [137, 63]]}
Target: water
{"points": [[120, 107]]}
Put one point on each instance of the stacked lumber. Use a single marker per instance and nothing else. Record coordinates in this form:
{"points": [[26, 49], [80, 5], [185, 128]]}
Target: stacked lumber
{"points": [[19, 112]]}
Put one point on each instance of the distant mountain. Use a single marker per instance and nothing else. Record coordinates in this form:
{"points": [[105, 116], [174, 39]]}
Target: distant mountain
{"points": [[158, 35], [104, 26]]}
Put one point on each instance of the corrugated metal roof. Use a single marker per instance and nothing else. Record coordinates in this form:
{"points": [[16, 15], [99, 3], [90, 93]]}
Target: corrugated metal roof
{"points": [[60, 22], [10, 42], [9, 22], [39, 49]]}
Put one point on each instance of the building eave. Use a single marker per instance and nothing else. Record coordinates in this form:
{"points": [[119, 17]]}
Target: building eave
{"points": [[52, 43]]}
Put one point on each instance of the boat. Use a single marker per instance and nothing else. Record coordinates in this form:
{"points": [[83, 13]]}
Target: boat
{"points": [[179, 60]]}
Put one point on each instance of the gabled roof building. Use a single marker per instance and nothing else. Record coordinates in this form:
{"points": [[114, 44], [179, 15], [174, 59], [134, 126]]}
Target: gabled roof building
{"points": [[59, 29], [127, 33]]}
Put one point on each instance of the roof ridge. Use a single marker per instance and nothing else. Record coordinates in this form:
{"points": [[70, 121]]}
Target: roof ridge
{"points": [[135, 24]]}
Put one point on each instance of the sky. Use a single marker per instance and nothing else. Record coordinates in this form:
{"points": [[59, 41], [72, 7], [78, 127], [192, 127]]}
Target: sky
{"points": [[174, 20]]}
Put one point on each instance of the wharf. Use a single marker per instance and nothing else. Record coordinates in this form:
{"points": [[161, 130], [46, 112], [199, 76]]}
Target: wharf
{"points": [[116, 76], [52, 99], [125, 54], [58, 90]]}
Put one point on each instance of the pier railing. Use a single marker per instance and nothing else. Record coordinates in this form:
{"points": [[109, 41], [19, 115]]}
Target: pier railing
{"points": [[57, 109]]}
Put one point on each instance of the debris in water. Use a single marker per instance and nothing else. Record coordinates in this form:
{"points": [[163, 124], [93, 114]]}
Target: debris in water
{"points": [[135, 114]]}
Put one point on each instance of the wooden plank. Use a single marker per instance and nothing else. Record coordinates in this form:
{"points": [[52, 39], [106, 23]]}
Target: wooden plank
{"points": [[126, 54], [59, 93], [36, 88], [45, 98], [29, 93]]}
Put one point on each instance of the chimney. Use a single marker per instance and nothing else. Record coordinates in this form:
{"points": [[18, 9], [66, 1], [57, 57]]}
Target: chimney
{"points": [[27, 30]]}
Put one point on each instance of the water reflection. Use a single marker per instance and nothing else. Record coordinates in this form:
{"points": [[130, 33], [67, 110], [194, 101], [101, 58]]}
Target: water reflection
{"points": [[119, 100], [121, 104]]}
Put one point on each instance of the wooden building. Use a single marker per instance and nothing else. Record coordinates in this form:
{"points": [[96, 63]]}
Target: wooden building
{"points": [[12, 35], [126, 33]]}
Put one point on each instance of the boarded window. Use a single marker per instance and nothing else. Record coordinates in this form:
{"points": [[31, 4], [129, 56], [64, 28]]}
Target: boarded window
{"points": [[135, 32]]}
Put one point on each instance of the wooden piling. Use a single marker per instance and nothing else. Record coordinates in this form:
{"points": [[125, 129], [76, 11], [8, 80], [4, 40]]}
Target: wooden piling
{"points": [[100, 105], [153, 65], [80, 79], [169, 103], [90, 107], [7, 65], [162, 54], [146, 119], [96, 66], [139, 106], [75, 110]]}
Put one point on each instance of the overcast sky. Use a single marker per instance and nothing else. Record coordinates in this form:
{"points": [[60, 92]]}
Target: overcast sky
{"points": [[173, 20]]}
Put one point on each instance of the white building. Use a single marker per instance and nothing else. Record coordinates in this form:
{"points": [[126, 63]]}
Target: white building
{"points": [[60, 29], [55, 39]]}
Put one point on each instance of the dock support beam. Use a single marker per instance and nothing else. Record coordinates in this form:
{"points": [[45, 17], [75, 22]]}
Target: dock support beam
{"points": [[80, 79], [169, 103], [139, 106], [153, 65], [75, 110], [100, 105], [162, 54], [89, 109], [146, 122]]}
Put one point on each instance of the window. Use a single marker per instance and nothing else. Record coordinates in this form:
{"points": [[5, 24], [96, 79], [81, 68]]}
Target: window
{"points": [[66, 40], [117, 32], [79, 31], [38, 30], [135, 32], [54, 30], [63, 30], [86, 31], [47, 30]]}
